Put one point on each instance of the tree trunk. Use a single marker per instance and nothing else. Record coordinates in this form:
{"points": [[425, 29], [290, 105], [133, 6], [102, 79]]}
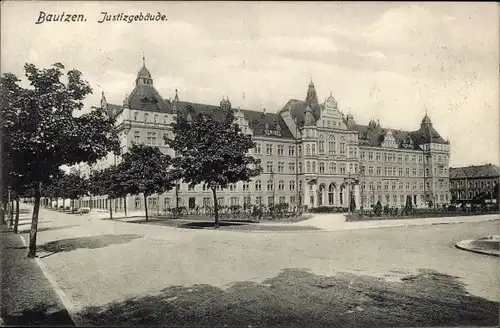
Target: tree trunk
{"points": [[115, 202], [146, 205], [34, 223], [110, 209], [16, 221], [57, 203], [125, 205], [216, 208], [2, 212], [50, 202], [64, 206], [11, 210]]}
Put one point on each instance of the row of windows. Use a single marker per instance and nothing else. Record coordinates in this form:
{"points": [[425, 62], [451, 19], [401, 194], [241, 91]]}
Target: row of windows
{"points": [[391, 157], [473, 184], [387, 199], [393, 171], [257, 186], [393, 185]]}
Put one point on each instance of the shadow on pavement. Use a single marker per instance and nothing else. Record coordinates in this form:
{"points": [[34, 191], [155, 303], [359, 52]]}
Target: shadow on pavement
{"points": [[202, 224], [71, 244], [49, 228], [298, 298], [40, 318]]}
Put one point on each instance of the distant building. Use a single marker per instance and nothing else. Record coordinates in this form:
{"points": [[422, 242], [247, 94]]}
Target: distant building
{"points": [[471, 181], [312, 154]]}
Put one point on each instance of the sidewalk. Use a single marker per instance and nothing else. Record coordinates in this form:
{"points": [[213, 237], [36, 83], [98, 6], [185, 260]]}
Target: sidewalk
{"points": [[337, 222], [28, 298]]}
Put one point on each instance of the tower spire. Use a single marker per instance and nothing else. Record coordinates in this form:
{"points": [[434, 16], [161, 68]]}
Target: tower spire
{"points": [[143, 59]]}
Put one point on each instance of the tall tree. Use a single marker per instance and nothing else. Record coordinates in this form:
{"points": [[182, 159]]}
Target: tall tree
{"points": [[110, 182], [73, 186], [41, 126], [213, 150], [146, 170]]}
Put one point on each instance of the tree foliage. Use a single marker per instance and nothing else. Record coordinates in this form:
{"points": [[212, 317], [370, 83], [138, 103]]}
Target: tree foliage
{"points": [[212, 150], [41, 127], [144, 170]]}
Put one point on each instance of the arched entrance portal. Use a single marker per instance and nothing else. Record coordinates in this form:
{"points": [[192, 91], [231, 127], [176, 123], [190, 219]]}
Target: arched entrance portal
{"points": [[332, 189]]}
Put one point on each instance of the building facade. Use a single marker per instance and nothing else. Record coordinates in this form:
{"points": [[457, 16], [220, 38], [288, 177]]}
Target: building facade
{"points": [[472, 181], [311, 154]]}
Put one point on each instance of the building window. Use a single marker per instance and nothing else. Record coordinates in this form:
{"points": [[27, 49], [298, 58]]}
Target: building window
{"points": [[280, 150], [270, 201], [191, 187], [331, 145], [332, 167], [378, 156], [313, 167], [269, 149], [342, 168], [269, 166], [281, 185], [258, 200], [414, 171], [300, 185], [308, 150], [258, 185], [146, 117], [371, 186], [407, 185], [394, 185], [342, 146], [300, 167], [308, 167], [379, 170], [246, 186], [407, 172], [350, 168], [137, 203], [314, 149], [291, 167], [292, 185], [282, 200], [386, 185], [270, 185], [362, 155], [299, 151], [220, 201], [292, 199], [136, 115], [291, 151], [281, 167], [232, 187], [258, 149], [321, 167], [370, 156], [166, 202], [234, 201], [379, 185], [156, 119], [137, 137]]}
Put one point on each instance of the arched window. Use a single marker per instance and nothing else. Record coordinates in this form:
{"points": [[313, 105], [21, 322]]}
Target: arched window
{"points": [[270, 185], [308, 150], [342, 146], [258, 185], [314, 149], [308, 167], [281, 185], [321, 167], [135, 116], [351, 152], [332, 144], [292, 185], [146, 117], [156, 119], [314, 167], [341, 194]]}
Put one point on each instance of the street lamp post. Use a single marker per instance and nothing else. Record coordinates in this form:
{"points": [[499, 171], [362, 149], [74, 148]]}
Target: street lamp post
{"points": [[348, 181]]}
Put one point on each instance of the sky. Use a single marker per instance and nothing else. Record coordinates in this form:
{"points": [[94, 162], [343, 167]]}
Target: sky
{"points": [[382, 60]]}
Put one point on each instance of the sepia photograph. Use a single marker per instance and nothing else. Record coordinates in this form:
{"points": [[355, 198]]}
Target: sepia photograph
{"points": [[249, 164]]}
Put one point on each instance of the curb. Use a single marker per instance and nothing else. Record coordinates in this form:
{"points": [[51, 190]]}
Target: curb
{"points": [[478, 251], [62, 297]]}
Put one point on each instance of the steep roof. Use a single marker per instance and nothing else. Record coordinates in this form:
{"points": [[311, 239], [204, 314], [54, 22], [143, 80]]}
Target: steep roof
{"points": [[298, 110], [256, 120], [145, 97], [479, 171]]}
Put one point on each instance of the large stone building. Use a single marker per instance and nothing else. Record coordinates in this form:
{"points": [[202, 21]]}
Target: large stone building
{"points": [[471, 181], [311, 153]]}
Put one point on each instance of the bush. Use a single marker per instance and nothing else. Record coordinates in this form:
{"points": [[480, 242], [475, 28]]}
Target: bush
{"points": [[377, 210], [329, 209]]}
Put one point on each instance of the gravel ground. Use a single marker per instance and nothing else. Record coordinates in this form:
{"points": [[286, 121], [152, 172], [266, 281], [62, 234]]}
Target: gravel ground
{"points": [[129, 274]]}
